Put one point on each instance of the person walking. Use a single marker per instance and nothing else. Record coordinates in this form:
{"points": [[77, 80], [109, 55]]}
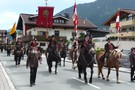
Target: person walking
{"points": [[33, 59], [132, 64]]}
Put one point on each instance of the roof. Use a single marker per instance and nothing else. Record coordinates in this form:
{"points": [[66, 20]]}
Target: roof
{"points": [[123, 13], [30, 19]]}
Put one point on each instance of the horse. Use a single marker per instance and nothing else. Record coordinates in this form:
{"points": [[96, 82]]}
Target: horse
{"points": [[63, 53], [18, 52], [111, 62], [9, 48], [100, 61], [53, 55], [86, 59], [73, 55]]}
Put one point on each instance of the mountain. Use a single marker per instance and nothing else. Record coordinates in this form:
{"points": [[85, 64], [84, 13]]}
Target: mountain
{"points": [[99, 11]]}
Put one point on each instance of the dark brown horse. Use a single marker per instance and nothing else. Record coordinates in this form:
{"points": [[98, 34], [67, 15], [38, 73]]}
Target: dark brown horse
{"points": [[53, 56], [86, 59], [111, 62]]}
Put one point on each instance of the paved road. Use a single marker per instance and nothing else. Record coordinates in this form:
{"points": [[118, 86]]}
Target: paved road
{"points": [[66, 79]]}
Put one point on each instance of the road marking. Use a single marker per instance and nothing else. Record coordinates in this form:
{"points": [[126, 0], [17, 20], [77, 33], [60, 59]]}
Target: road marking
{"points": [[122, 81], [88, 83], [11, 85]]}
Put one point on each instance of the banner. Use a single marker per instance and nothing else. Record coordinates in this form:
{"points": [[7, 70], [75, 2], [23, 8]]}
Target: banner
{"points": [[45, 17]]}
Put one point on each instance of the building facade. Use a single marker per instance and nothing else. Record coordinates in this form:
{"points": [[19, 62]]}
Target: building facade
{"points": [[127, 25], [62, 27]]}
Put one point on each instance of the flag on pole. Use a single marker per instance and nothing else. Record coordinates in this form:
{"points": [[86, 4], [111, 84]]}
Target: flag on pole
{"points": [[45, 17], [13, 31], [75, 17], [118, 22]]}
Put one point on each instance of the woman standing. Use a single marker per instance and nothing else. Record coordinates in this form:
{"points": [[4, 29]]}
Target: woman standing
{"points": [[32, 61]]}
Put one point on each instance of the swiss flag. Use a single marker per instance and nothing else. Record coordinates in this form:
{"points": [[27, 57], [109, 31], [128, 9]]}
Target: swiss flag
{"points": [[45, 17], [75, 17], [118, 22]]}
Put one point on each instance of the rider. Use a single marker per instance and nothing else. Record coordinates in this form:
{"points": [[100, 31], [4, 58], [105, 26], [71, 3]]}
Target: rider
{"points": [[108, 48], [34, 42], [18, 46], [132, 64], [85, 42], [52, 42]]}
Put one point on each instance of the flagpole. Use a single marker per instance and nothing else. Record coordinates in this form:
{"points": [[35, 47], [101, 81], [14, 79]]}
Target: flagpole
{"points": [[46, 19], [118, 27]]}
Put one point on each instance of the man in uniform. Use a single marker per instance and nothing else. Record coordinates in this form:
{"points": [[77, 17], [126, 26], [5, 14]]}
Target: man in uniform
{"points": [[108, 48], [132, 64]]}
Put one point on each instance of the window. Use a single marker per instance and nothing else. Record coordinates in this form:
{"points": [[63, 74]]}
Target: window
{"points": [[41, 33], [124, 30], [56, 33]]}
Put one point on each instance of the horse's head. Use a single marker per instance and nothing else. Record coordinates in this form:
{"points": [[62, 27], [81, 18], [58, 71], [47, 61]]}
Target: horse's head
{"points": [[116, 53], [90, 49]]}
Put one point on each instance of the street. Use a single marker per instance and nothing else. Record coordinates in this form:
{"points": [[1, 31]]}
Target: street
{"points": [[66, 79]]}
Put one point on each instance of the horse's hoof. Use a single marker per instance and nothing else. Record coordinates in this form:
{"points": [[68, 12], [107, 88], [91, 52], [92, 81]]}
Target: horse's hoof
{"points": [[86, 82], [55, 72], [99, 77], [103, 78], [50, 71], [107, 80], [118, 82], [80, 77], [90, 81]]}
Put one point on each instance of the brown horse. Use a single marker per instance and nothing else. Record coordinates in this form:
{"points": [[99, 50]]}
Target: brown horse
{"points": [[73, 55], [112, 62], [100, 61]]}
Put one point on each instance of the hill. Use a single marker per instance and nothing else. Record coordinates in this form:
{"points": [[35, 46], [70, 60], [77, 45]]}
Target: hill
{"points": [[99, 11]]}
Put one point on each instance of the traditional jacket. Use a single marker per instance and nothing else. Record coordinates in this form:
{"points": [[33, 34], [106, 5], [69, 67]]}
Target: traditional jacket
{"points": [[33, 58], [132, 59], [109, 47]]}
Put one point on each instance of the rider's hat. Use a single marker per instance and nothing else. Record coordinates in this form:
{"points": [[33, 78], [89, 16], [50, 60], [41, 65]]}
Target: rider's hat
{"points": [[108, 39]]}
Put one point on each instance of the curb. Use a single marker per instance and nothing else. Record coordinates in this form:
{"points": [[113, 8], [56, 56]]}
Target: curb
{"points": [[95, 65], [12, 87]]}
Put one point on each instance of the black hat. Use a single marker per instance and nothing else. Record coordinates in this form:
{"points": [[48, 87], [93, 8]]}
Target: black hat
{"points": [[108, 39], [53, 36], [132, 49]]}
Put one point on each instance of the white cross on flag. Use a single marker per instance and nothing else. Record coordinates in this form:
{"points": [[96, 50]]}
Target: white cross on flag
{"points": [[118, 22], [75, 17]]}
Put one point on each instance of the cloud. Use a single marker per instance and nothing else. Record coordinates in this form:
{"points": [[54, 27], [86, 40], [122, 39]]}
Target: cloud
{"points": [[7, 19]]}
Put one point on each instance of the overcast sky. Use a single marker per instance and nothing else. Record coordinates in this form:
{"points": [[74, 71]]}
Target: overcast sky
{"points": [[10, 9]]}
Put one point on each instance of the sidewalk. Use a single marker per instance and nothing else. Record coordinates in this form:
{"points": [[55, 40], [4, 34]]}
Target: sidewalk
{"points": [[5, 82]]}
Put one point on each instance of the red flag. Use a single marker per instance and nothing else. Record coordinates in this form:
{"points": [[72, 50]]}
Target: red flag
{"points": [[118, 22], [45, 17], [75, 17]]}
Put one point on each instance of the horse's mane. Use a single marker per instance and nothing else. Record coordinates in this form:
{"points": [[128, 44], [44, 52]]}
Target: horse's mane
{"points": [[116, 53]]}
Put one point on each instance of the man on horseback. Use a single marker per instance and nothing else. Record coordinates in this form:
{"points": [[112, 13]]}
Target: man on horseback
{"points": [[52, 43], [53, 54], [132, 64], [108, 48], [18, 49]]}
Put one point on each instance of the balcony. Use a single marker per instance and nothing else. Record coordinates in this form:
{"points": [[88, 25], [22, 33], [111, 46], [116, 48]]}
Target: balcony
{"points": [[123, 34], [124, 23]]}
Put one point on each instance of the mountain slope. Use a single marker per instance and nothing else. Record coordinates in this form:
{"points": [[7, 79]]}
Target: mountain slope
{"points": [[99, 11]]}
